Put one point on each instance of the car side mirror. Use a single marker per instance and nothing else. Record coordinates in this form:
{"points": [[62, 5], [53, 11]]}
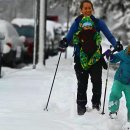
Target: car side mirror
{"points": [[2, 36]]}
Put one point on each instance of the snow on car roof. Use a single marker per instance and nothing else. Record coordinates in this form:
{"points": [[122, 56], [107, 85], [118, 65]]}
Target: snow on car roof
{"points": [[7, 28], [20, 22], [50, 25], [25, 21]]}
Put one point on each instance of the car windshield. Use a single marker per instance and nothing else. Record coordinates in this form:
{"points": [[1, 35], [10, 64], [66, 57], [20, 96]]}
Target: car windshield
{"points": [[27, 31]]}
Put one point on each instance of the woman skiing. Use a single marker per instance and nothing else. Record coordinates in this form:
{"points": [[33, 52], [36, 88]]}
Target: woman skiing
{"points": [[87, 52]]}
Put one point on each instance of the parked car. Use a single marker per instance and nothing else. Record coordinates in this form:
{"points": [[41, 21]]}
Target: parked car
{"points": [[2, 37], [12, 45], [25, 27], [54, 35], [28, 32]]}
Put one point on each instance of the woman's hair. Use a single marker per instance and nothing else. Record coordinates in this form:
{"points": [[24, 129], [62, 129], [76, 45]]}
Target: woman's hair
{"points": [[86, 1]]}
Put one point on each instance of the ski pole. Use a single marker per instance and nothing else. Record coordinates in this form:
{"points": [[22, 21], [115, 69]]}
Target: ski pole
{"points": [[106, 82], [45, 109]]}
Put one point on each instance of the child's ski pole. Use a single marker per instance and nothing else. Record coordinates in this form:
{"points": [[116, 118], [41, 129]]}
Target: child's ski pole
{"points": [[106, 83]]}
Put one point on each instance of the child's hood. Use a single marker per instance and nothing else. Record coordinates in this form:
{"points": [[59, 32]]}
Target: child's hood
{"points": [[86, 21]]}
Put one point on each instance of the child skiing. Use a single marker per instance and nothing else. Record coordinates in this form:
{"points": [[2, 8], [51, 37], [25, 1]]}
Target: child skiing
{"points": [[121, 84]]}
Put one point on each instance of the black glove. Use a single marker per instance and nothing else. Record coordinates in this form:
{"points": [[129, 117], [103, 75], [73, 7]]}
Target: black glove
{"points": [[63, 45], [118, 46]]}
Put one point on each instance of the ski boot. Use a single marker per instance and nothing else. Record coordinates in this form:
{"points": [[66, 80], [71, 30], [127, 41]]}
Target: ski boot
{"points": [[113, 115], [81, 110], [95, 106]]}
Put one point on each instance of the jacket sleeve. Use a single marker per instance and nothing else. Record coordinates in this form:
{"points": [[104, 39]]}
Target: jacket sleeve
{"points": [[73, 29], [103, 27], [117, 57]]}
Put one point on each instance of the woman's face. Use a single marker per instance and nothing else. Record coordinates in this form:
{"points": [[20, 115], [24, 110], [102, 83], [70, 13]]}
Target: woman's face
{"points": [[87, 9]]}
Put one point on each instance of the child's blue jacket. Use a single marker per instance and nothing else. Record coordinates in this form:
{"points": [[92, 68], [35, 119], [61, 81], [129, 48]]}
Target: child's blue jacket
{"points": [[123, 72], [99, 25]]}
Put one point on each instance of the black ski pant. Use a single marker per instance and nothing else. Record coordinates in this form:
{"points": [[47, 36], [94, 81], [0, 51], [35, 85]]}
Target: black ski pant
{"points": [[95, 72]]}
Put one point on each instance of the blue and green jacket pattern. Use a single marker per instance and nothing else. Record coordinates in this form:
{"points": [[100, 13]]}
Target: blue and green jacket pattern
{"points": [[99, 25], [88, 41]]}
